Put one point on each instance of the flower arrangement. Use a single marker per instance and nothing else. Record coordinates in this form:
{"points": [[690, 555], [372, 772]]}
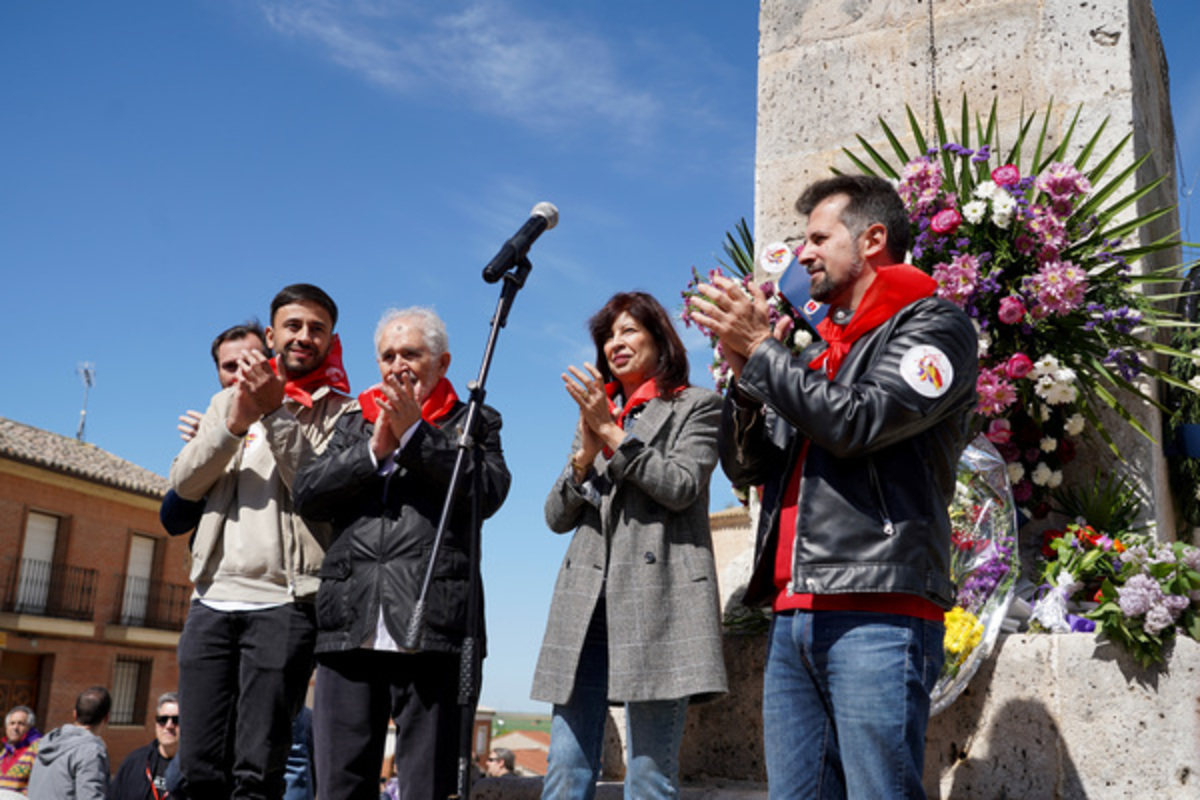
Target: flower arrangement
{"points": [[1035, 255], [983, 565], [741, 267], [1098, 572]]}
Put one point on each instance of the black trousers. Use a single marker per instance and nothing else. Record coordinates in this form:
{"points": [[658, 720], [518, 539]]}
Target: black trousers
{"points": [[242, 678], [356, 692]]}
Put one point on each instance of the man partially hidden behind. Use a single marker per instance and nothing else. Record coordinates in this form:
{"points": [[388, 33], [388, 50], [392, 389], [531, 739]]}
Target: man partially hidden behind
{"points": [[246, 652], [176, 514], [20, 748], [143, 773], [72, 761], [855, 443]]}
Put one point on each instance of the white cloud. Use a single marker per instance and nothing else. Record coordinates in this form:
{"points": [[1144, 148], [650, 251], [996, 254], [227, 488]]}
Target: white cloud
{"points": [[539, 72]]}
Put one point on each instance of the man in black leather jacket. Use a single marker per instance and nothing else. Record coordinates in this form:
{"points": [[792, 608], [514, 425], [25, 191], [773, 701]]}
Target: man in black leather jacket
{"points": [[382, 482], [855, 444]]}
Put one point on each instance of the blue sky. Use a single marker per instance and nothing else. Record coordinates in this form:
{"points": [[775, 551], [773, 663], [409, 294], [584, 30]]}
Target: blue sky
{"points": [[169, 166]]}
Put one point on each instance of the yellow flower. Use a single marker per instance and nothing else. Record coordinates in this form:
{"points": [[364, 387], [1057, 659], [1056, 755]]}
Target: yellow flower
{"points": [[964, 632]]}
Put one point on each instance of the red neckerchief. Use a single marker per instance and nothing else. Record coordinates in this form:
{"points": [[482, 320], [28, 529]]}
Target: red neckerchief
{"points": [[330, 373], [440, 403], [641, 395], [894, 288]]}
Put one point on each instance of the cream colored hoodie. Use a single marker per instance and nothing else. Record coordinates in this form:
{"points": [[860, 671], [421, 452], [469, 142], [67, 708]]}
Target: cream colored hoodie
{"points": [[250, 545]]}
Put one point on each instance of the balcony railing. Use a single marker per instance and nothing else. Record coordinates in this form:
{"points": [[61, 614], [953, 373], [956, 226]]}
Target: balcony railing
{"points": [[145, 603], [48, 589]]}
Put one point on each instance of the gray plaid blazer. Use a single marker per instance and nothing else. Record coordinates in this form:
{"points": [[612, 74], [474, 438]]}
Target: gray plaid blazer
{"points": [[649, 547]]}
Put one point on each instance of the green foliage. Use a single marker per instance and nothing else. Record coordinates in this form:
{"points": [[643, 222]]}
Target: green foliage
{"points": [[1184, 471], [1110, 503]]}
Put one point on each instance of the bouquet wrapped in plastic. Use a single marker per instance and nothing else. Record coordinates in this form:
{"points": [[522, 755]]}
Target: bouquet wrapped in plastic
{"points": [[983, 565]]}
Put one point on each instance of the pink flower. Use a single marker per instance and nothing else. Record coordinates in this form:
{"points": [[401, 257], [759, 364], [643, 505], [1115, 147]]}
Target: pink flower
{"points": [[946, 221], [1008, 175], [958, 279], [1018, 366], [999, 431], [1061, 181], [1012, 310], [1060, 287], [995, 392]]}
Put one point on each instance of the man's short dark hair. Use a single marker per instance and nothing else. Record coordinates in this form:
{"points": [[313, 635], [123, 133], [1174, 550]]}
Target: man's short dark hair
{"points": [[92, 706], [507, 756], [871, 200], [250, 327], [305, 293]]}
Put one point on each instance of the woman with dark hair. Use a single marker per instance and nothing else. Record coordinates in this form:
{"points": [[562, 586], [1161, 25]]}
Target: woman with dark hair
{"points": [[635, 617]]}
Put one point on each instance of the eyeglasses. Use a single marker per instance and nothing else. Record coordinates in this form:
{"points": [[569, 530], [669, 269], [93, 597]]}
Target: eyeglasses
{"points": [[494, 758], [163, 719]]}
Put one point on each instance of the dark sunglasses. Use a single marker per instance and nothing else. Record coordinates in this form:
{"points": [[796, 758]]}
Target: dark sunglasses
{"points": [[163, 719]]}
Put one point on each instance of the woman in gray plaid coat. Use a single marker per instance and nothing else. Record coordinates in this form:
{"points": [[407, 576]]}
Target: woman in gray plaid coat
{"points": [[635, 617]]}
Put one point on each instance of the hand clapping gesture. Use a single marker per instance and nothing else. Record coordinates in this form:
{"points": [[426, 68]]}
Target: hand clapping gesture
{"points": [[398, 411], [258, 391]]}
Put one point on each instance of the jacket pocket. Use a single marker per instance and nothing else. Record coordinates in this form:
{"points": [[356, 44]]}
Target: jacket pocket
{"points": [[333, 605]]}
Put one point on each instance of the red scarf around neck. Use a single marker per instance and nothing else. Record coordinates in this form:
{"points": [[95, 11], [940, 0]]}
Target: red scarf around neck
{"points": [[330, 373], [894, 288], [439, 403], [641, 395]]}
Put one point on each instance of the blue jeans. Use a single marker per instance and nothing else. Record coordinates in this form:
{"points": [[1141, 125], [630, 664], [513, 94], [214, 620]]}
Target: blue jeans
{"points": [[846, 703], [653, 731]]}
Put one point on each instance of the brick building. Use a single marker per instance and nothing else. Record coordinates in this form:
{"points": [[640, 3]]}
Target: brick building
{"points": [[92, 590]]}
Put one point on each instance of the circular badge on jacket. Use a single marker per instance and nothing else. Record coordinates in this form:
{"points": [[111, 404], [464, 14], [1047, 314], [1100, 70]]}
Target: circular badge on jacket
{"points": [[927, 370]]}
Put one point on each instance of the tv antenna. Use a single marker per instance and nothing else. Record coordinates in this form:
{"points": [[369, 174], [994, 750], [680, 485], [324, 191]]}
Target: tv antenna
{"points": [[87, 373]]}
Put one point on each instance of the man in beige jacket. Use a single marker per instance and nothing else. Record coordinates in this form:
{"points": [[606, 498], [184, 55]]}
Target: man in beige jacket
{"points": [[246, 652]]}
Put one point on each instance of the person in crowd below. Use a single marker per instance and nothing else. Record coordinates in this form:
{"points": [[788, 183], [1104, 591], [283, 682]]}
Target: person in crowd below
{"points": [[856, 444], [635, 616], [246, 651], [143, 773], [20, 748], [501, 762], [72, 761], [300, 775], [382, 483]]}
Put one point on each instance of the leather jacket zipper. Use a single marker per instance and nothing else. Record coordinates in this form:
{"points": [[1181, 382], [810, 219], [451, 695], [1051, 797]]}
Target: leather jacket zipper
{"points": [[888, 528]]}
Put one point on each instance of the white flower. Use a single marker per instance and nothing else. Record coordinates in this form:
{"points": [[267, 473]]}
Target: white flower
{"points": [[973, 211], [1044, 414], [985, 191], [1016, 471], [1041, 474], [1048, 444], [985, 343], [1002, 221], [1064, 375], [1046, 365], [1056, 479], [802, 338], [1074, 425], [1003, 203], [1195, 382], [1060, 394]]}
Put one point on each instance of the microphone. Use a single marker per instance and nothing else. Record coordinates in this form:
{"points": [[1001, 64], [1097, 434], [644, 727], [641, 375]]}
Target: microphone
{"points": [[543, 217]]}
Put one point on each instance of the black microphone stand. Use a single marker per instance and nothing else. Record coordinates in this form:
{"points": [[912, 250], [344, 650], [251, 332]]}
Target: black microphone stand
{"points": [[471, 655]]}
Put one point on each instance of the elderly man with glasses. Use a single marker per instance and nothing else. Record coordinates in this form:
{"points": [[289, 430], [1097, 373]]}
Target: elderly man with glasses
{"points": [[143, 773]]}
